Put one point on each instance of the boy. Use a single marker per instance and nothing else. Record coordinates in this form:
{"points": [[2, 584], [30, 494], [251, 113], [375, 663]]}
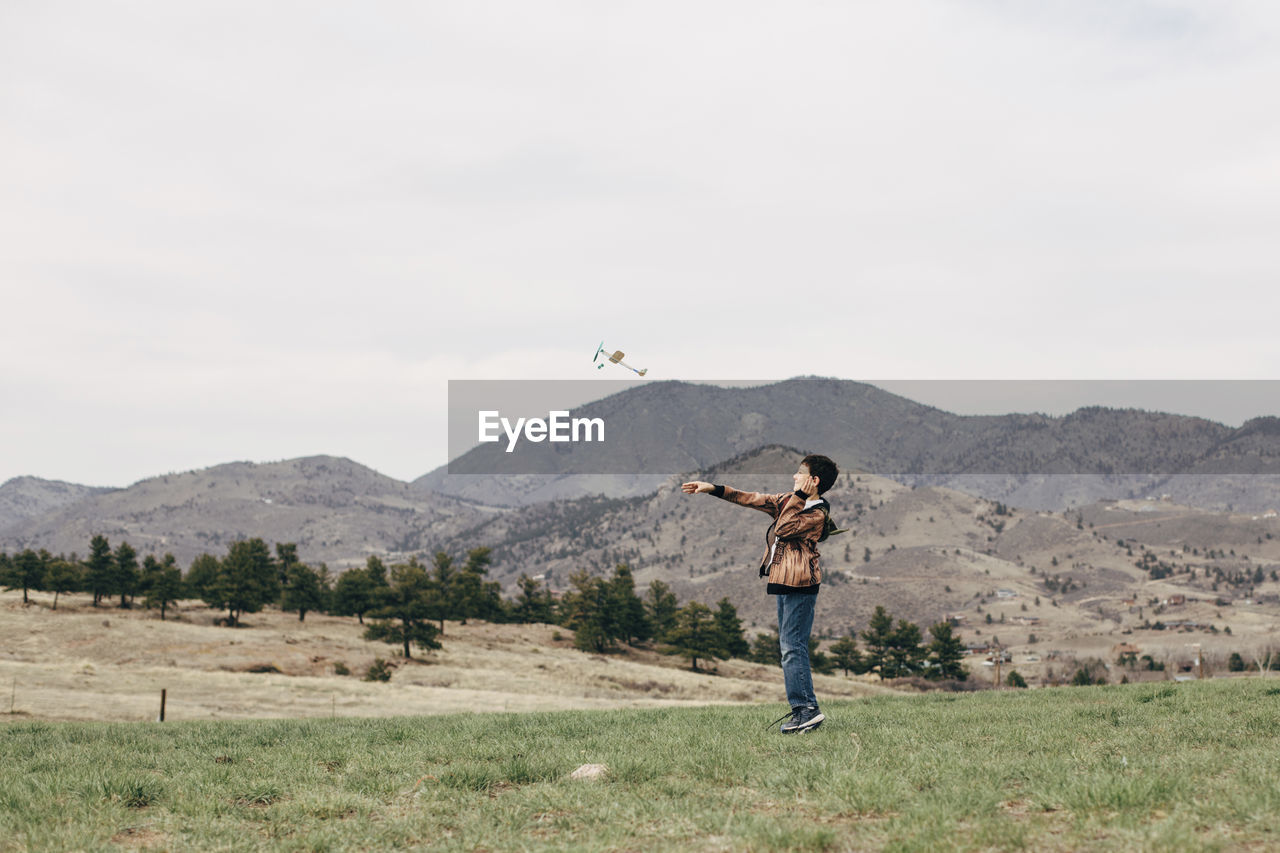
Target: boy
{"points": [[800, 522]]}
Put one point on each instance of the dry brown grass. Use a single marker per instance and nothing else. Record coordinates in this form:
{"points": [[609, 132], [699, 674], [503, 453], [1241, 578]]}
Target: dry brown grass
{"points": [[139, 837], [86, 663]]}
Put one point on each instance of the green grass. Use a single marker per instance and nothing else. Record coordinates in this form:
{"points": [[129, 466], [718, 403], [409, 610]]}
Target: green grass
{"points": [[1193, 766]]}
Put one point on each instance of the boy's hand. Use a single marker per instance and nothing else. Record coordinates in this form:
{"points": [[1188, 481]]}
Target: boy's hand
{"points": [[696, 487], [810, 487]]}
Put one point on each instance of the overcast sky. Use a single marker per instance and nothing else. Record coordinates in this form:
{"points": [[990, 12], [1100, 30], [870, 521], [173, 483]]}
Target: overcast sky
{"points": [[265, 230]]}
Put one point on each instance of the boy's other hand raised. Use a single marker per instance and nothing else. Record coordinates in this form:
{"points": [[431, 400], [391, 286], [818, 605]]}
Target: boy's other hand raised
{"points": [[696, 487]]}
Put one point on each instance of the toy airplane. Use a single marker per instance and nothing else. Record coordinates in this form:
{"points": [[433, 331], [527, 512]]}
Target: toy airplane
{"points": [[616, 358]]}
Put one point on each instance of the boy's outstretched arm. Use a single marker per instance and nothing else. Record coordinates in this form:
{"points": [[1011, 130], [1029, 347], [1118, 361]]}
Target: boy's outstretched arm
{"points": [[756, 500]]}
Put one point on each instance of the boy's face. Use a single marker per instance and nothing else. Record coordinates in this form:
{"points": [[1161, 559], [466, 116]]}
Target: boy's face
{"points": [[802, 480]]}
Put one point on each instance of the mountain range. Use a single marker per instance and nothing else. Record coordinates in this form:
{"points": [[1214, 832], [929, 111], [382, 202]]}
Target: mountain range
{"points": [[1032, 460], [340, 512], [1026, 528]]}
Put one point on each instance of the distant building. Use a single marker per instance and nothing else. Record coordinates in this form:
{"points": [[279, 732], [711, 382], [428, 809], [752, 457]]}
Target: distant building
{"points": [[1125, 649], [1006, 593]]}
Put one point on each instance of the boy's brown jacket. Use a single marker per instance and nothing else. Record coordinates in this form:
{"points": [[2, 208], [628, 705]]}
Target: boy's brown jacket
{"points": [[795, 561]]}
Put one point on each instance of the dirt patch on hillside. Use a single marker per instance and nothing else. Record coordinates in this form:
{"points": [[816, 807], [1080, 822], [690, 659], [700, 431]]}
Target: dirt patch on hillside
{"points": [[104, 663]]}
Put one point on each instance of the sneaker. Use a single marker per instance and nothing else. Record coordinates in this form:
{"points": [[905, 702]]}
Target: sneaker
{"points": [[802, 720]]}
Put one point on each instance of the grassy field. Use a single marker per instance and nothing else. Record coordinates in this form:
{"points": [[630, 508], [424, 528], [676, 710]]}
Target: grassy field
{"points": [[1167, 766]]}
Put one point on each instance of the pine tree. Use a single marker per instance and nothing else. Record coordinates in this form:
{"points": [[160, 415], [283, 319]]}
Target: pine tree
{"points": [[247, 579], [164, 585], [533, 603], [376, 571], [302, 590], [439, 593], [99, 568], [819, 661], [286, 558], [470, 597], [846, 655], [629, 612], [63, 576], [404, 613], [730, 627], [524, 607], [26, 571], [125, 578], [585, 610], [878, 639], [660, 604], [767, 649], [906, 655], [696, 635], [147, 576], [353, 594], [946, 653], [326, 585], [202, 575]]}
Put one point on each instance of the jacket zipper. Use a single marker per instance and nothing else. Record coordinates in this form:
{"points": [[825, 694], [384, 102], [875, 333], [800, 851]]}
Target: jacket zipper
{"points": [[768, 551], [767, 565]]}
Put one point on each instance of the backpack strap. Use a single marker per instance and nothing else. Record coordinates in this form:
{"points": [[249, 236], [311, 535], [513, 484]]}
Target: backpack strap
{"points": [[828, 526]]}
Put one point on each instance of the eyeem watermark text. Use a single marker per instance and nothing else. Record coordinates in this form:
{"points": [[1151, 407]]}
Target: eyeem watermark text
{"points": [[557, 427]]}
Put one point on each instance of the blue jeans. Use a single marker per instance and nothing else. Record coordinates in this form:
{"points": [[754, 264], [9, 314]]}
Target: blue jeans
{"points": [[795, 621]]}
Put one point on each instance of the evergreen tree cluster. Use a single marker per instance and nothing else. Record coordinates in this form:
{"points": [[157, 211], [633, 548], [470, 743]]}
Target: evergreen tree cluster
{"points": [[408, 604], [890, 651], [105, 573], [604, 612], [898, 651], [405, 604]]}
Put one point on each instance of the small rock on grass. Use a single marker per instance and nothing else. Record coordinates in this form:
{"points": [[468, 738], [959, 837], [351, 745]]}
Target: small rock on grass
{"points": [[593, 772]]}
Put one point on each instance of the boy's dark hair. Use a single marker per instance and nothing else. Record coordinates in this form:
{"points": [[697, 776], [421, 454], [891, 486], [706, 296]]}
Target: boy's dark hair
{"points": [[823, 468]]}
